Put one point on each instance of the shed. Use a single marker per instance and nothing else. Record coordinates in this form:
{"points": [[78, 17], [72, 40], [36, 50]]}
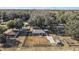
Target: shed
{"points": [[60, 29]]}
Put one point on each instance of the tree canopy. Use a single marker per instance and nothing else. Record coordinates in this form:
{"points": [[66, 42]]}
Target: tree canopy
{"points": [[43, 19]]}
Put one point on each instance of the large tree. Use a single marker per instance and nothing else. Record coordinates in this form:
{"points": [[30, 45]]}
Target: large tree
{"points": [[19, 23], [2, 29], [11, 24]]}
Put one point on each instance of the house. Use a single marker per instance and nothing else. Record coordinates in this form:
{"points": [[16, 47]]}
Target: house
{"points": [[12, 33], [38, 32], [11, 38]]}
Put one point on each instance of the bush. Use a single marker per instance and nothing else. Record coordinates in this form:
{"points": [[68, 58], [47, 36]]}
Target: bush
{"points": [[19, 23], [2, 38], [11, 24], [2, 29]]}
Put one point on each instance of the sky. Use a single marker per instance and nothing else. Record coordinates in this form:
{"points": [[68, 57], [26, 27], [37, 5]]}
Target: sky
{"points": [[42, 8], [39, 3]]}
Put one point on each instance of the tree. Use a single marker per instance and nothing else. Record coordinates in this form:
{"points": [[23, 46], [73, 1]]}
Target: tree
{"points": [[11, 24], [72, 27], [19, 23], [43, 20], [2, 29], [2, 38], [4, 16], [71, 22]]}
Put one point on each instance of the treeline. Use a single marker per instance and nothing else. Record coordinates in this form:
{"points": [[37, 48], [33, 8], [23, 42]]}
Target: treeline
{"points": [[7, 15], [70, 19], [46, 19]]}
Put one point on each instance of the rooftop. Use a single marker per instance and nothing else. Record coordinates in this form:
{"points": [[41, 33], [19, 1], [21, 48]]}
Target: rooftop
{"points": [[10, 32], [38, 31]]}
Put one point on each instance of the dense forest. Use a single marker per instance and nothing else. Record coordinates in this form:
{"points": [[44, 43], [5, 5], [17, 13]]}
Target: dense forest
{"points": [[43, 18]]}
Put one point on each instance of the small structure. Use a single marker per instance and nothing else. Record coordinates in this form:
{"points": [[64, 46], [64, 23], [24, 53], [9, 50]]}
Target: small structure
{"points": [[60, 29]]}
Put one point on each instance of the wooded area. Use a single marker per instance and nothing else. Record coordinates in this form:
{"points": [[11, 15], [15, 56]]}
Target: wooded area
{"points": [[43, 19]]}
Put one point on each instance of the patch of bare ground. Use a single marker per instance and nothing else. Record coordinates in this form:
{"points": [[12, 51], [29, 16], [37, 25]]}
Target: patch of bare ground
{"points": [[36, 41], [40, 43]]}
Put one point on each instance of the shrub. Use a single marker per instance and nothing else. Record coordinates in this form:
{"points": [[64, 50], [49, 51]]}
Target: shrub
{"points": [[19, 23], [2, 38], [11, 24], [2, 29]]}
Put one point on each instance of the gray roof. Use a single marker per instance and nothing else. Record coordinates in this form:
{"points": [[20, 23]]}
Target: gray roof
{"points": [[38, 31]]}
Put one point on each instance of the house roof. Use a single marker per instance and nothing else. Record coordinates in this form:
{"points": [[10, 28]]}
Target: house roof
{"points": [[45, 29], [9, 32], [35, 27], [38, 31]]}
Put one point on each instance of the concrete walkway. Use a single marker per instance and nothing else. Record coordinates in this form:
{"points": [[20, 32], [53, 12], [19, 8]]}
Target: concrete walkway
{"points": [[21, 39], [50, 39]]}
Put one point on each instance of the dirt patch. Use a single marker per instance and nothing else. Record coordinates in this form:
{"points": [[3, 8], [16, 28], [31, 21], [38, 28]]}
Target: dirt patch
{"points": [[36, 41], [40, 43]]}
